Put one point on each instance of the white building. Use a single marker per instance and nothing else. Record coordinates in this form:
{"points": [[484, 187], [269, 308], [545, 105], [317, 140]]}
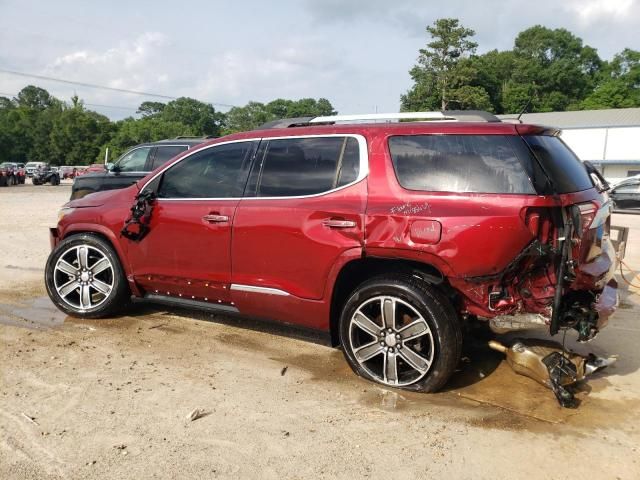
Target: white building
{"points": [[610, 139]]}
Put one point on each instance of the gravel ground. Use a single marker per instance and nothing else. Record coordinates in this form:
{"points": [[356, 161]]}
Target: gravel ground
{"points": [[111, 398]]}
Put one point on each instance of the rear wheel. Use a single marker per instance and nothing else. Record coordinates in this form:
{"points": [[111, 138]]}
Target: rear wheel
{"points": [[400, 332], [84, 277]]}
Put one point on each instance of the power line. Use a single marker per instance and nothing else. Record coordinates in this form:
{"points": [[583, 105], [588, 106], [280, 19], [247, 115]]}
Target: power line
{"points": [[117, 107], [101, 87]]}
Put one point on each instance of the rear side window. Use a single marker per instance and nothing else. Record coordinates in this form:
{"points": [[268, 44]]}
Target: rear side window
{"points": [[459, 163], [164, 154], [308, 166], [567, 173]]}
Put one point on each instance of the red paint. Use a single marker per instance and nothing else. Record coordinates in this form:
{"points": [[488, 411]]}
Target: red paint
{"points": [[285, 244]]}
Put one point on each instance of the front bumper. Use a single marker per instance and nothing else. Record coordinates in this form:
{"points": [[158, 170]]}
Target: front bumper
{"points": [[54, 237]]}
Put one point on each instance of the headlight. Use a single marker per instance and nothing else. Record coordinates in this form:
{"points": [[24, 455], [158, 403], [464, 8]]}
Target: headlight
{"points": [[64, 211]]}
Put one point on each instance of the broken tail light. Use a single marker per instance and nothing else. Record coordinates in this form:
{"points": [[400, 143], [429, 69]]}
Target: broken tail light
{"points": [[583, 216]]}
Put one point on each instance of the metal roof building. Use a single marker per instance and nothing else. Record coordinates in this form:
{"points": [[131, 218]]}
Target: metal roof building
{"points": [[608, 138]]}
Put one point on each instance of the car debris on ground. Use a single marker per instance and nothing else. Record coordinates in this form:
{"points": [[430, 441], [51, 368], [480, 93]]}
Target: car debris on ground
{"points": [[551, 365]]}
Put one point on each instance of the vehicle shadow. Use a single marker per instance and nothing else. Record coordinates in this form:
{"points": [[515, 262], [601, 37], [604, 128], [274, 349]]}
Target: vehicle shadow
{"points": [[236, 321]]}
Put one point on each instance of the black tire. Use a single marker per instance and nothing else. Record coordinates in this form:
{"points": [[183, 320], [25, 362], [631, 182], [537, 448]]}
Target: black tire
{"points": [[105, 304], [443, 344], [55, 180], [35, 182], [3, 181]]}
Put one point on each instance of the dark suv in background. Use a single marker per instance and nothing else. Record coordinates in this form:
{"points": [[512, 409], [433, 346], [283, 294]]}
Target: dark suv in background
{"points": [[132, 165], [389, 236]]}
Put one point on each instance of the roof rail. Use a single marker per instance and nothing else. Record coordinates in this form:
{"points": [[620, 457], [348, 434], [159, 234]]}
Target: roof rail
{"points": [[194, 137], [447, 115], [286, 123]]}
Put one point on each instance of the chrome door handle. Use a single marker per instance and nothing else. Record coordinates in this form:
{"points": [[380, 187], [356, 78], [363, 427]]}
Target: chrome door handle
{"points": [[215, 218], [333, 223]]}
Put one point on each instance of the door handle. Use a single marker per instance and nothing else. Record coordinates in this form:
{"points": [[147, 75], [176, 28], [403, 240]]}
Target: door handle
{"points": [[214, 218], [335, 223]]}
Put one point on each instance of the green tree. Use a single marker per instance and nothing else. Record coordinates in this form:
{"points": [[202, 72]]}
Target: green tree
{"points": [[619, 84], [553, 68], [443, 77], [200, 117], [150, 109], [254, 114], [77, 135], [130, 132], [34, 98]]}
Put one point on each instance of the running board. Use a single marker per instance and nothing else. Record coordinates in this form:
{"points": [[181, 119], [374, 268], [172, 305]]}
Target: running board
{"points": [[185, 303]]}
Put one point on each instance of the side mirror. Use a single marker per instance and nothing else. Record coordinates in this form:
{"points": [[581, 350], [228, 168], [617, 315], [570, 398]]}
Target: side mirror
{"points": [[109, 166]]}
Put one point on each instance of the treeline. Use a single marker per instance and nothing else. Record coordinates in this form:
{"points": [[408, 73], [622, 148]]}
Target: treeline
{"points": [[546, 70], [35, 126]]}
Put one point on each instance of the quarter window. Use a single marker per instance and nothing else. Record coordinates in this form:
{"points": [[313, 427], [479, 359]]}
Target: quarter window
{"points": [[459, 163], [308, 166], [216, 172], [164, 154]]}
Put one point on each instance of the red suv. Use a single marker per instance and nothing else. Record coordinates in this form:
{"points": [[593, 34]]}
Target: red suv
{"points": [[390, 236]]}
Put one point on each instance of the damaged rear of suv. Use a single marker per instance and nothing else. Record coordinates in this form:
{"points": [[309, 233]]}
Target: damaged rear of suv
{"points": [[389, 236], [531, 241]]}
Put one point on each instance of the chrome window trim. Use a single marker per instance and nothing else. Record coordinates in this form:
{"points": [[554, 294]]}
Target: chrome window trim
{"points": [[255, 289], [362, 173]]}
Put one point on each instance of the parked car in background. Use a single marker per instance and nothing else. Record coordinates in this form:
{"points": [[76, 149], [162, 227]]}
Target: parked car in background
{"points": [[626, 194], [390, 237], [67, 171], [31, 167], [12, 173], [96, 167], [132, 166], [45, 174]]}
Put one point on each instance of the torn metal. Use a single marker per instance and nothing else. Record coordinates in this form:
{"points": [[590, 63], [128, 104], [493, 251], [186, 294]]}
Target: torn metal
{"points": [[136, 226], [547, 363]]}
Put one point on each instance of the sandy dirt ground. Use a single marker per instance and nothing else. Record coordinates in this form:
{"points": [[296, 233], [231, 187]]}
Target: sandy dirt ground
{"points": [[110, 398]]}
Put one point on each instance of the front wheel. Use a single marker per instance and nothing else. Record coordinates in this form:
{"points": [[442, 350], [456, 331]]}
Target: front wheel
{"points": [[400, 332], [84, 277]]}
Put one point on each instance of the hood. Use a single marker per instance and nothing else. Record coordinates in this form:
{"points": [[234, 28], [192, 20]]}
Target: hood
{"points": [[105, 197]]}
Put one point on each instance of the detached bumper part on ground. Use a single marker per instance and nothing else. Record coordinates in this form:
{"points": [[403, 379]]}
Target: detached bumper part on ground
{"points": [[549, 364]]}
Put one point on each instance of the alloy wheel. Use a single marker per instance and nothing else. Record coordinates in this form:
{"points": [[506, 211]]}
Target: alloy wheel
{"points": [[83, 277], [391, 340]]}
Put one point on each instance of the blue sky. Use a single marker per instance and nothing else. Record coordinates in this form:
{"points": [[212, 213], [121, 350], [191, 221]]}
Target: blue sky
{"points": [[355, 53]]}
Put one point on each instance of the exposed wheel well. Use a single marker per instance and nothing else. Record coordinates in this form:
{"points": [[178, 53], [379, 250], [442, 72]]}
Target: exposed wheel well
{"points": [[101, 236], [357, 271]]}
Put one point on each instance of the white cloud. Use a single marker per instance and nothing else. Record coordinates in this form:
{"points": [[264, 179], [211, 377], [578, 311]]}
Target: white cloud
{"points": [[135, 64], [263, 75], [594, 10]]}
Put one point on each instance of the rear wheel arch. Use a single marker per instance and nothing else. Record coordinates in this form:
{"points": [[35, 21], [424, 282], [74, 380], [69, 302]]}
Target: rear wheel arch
{"points": [[355, 272]]}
